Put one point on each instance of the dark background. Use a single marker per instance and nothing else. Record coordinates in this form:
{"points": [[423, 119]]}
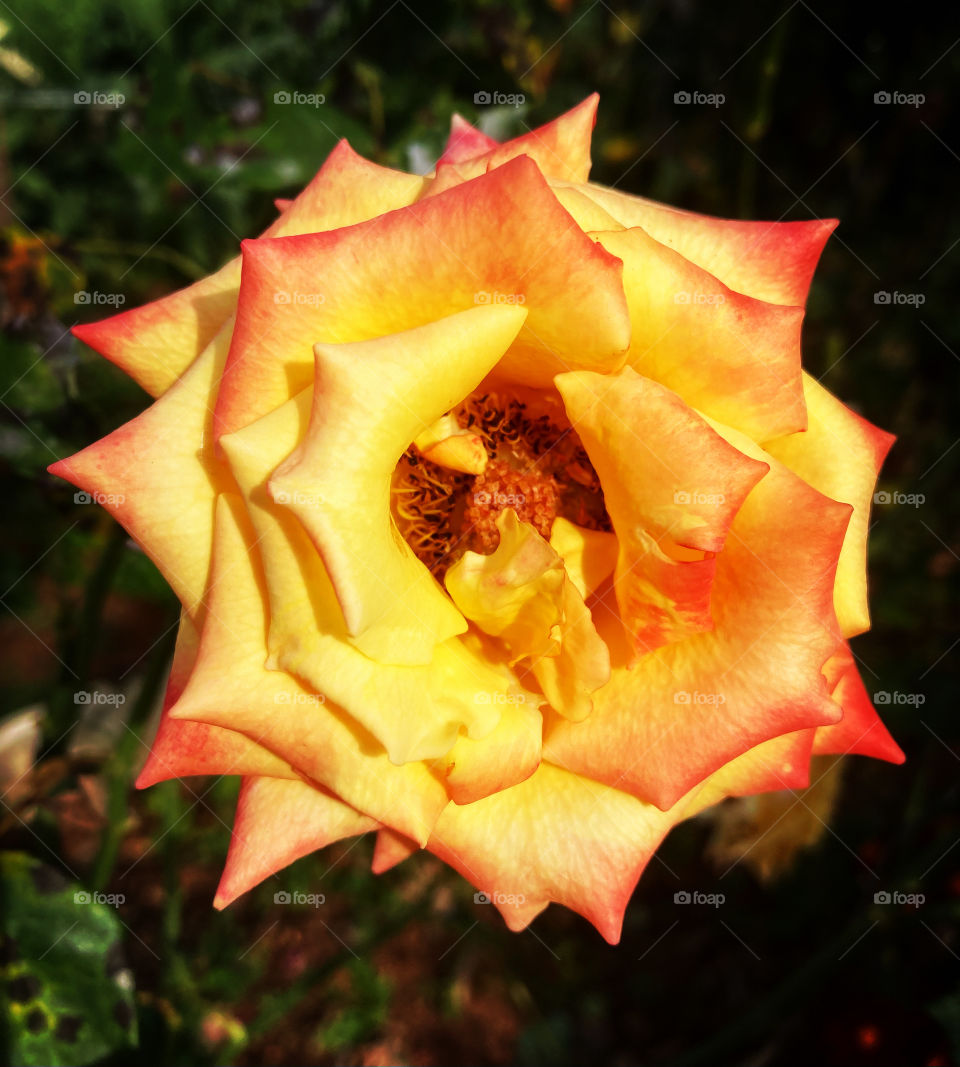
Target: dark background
{"points": [[143, 198]]}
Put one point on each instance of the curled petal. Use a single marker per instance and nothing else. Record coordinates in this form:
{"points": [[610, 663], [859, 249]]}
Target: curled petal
{"points": [[672, 486], [472, 770], [449, 445], [513, 594], [372, 399], [276, 823], [733, 357], [840, 454], [521, 594], [860, 732], [772, 261]]}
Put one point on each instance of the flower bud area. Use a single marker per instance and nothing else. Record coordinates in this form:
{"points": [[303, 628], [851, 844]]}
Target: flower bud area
{"points": [[446, 500]]}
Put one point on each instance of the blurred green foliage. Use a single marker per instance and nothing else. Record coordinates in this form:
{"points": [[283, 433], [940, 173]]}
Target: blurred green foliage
{"points": [[139, 199]]}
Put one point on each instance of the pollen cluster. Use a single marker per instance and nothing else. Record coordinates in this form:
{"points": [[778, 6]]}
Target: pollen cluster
{"points": [[536, 465]]}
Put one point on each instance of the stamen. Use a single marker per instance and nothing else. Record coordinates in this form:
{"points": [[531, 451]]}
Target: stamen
{"points": [[536, 465]]}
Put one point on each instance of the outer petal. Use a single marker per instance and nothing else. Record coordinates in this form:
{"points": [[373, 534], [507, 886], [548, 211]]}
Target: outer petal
{"points": [[159, 476], [670, 483], [391, 848], [840, 454], [555, 837], [733, 357], [156, 343], [780, 763], [861, 731], [465, 141], [276, 823], [308, 636], [682, 712], [501, 237], [182, 749], [561, 148], [231, 687], [771, 261], [372, 399]]}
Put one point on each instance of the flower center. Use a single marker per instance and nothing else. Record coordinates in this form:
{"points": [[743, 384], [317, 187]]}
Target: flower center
{"points": [[536, 465]]}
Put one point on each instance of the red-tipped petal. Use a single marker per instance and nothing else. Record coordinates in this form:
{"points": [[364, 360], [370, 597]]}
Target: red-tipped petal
{"points": [[276, 823]]}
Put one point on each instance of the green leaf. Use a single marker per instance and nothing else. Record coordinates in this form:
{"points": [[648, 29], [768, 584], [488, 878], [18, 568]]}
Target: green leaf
{"points": [[65, 996]]}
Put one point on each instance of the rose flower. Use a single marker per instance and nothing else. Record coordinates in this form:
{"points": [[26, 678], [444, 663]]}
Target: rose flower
{"points": [[504, 520]]}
